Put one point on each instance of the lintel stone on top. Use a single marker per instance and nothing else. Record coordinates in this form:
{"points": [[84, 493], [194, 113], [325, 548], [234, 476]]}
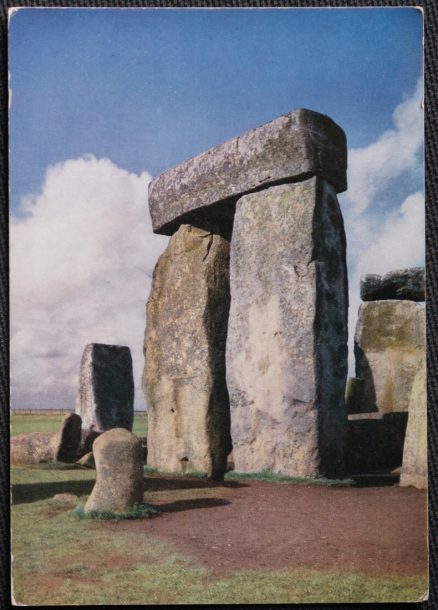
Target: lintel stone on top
{"points": [[293, 147]]}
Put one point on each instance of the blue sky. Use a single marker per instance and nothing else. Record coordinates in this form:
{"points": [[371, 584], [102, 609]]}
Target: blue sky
{"points": [[111, 97]]}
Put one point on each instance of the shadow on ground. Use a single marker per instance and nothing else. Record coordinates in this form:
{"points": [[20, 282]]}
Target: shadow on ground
{"points": [[180, 505], [23, 493], [160, 483], [375, 480]]}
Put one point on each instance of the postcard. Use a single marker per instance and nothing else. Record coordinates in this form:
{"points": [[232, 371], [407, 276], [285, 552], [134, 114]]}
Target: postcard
{"points": [[217, 271]]}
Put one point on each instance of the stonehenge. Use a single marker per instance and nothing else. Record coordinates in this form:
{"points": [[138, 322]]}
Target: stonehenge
{"points": [[105, 397], [247, 316]]}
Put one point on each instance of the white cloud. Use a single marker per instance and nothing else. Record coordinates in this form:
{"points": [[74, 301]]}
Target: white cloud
{"points": [[377, 240], [393, 153], [400, 242], [81, 264]]}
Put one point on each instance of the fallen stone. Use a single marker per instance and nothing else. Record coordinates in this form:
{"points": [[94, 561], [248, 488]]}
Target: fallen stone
{"points": [[287, 334], [67, 440], [87, 460], [119, 472], [184, 374], [414, 470], [65, 497], [389, 346], [292, 147], [32, 448], [106, 388], [406, 284]]}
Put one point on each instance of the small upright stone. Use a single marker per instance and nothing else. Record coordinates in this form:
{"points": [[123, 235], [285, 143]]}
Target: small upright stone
{"points": [[106, 388], [414, 470], [66, 442], [119, 477], [402, 284]]}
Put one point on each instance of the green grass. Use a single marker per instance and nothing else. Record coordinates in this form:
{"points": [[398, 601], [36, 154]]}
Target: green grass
{"points": [[50, 422], [139, 511], [266, 475], [62, 560]]}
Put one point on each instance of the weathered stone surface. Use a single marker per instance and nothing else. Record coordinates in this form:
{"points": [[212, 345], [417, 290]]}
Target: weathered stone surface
{"points": [[106, 387], [389, 345], [119, 476], [32, 448], [292, 147], [66, 442], [414, 471], [375, 442], [406, 284], [287, 333], [184, 375]]}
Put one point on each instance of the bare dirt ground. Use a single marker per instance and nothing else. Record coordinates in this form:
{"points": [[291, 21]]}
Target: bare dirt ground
{"points": [[244, 525]]}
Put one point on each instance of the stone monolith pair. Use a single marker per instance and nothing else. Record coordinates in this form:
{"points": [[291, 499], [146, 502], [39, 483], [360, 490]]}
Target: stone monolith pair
{"points": [[246, 334]]}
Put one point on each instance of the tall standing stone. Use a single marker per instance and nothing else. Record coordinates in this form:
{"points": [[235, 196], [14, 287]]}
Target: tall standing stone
{"points": [[106, 388], [287, 332], [389, 345], [184, 375], [414, 469]]}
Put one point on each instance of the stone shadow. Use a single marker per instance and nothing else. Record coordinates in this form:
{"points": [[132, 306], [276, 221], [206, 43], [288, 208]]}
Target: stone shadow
{"points": [[180, 505], [363, 371], [169, 484], [23, 493]]}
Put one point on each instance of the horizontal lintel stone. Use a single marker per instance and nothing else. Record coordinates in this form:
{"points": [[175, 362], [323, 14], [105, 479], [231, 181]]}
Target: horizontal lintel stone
{"points": [[290, 148]]}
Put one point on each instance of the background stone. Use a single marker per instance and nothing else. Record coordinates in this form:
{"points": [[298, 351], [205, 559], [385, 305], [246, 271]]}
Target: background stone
{"points": [[298, 144], [184, 375], [119, 472], [287, 333], [32, 448], [414, 470], [106, 387], [389, 345], [375, 442], [67, 440], [406, 284]]}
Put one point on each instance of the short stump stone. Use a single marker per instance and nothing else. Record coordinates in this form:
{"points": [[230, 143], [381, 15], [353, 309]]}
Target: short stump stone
{"points": [[119, 477]]}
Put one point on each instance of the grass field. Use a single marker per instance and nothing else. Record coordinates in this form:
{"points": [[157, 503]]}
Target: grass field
{"points": [[60, 559], [50, 422]]}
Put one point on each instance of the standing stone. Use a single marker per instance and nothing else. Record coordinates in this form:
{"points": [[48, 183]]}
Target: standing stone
{"points": [[184, 375], [287, 332], [106, 388], [389, 345], [66, 442], [414, 470], [119, 477]]}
